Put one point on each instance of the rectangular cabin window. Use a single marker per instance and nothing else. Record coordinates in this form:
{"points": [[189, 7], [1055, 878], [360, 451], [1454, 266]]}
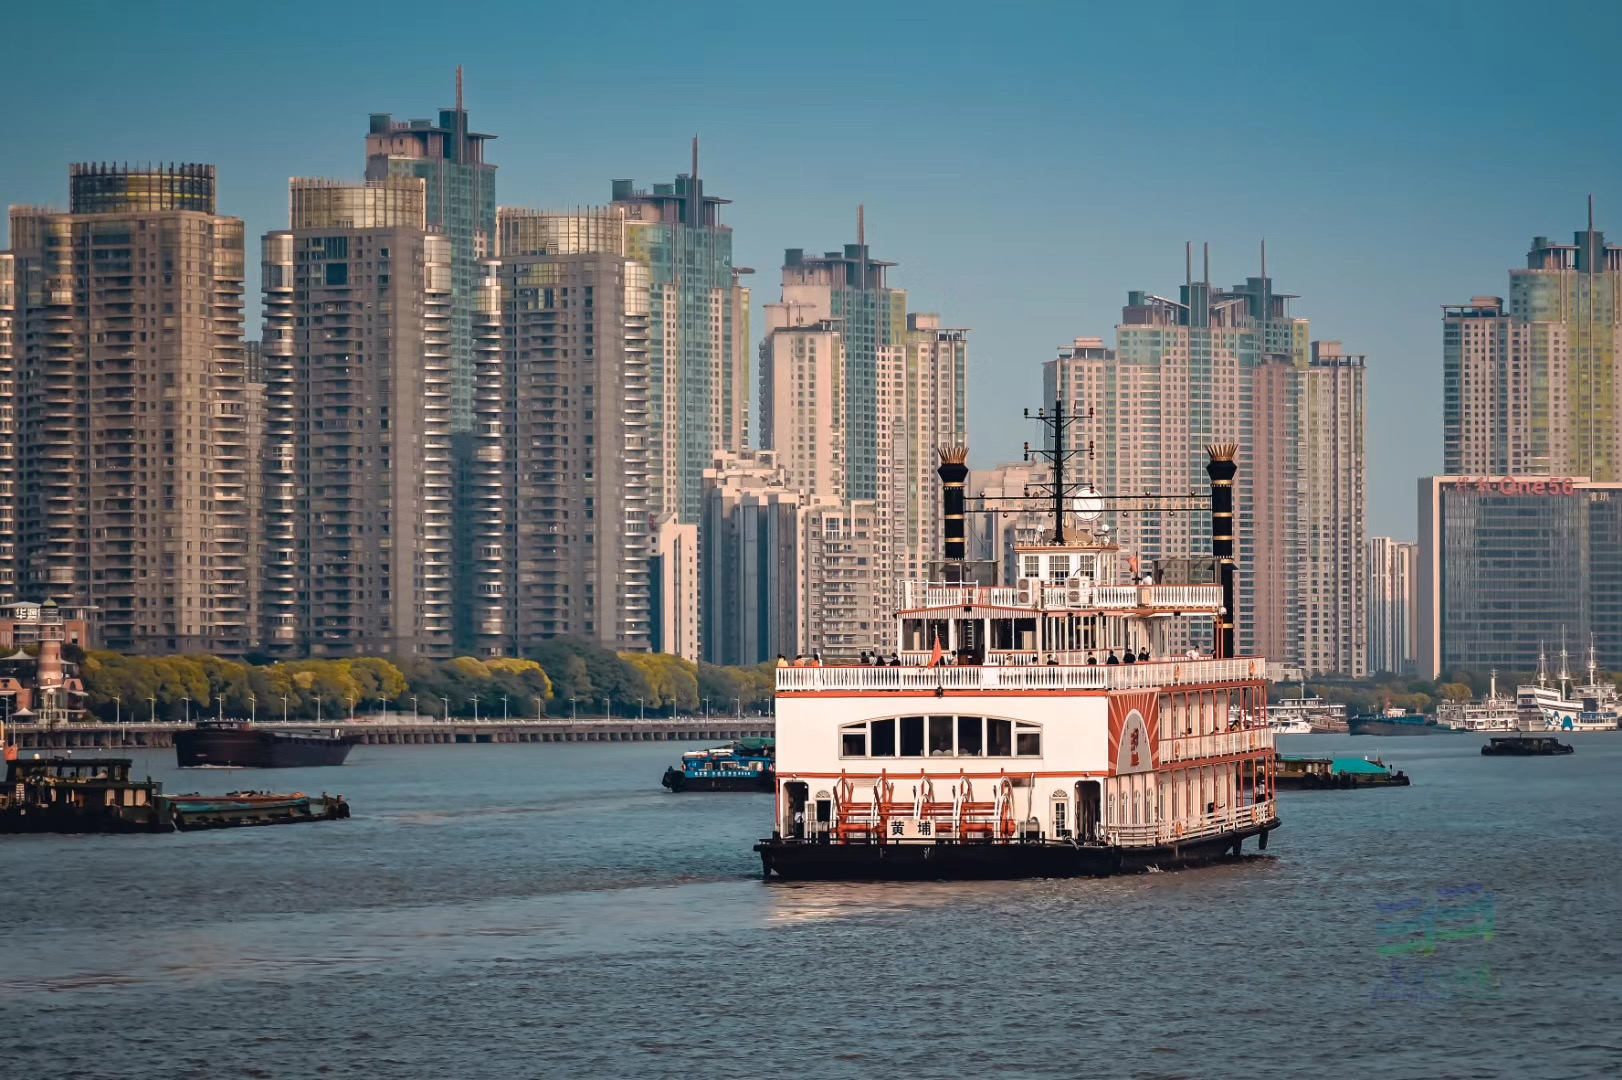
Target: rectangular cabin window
{"points": [[940, 736], [853, 741], [970, 737], [999, 738], [883, 738], [1058, 567], [1033, 565], [912, 736], [1028, 741]]}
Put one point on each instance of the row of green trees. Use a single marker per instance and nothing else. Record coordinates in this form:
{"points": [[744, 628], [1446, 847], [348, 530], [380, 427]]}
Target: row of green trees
{"points": [[565, 677]]}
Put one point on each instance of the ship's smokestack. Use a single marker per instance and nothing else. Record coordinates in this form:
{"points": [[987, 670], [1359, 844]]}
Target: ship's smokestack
{"points": [[954, 472], [1222, 469]]}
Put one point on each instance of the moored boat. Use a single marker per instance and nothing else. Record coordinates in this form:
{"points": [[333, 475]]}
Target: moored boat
{"points": [[1313, 774], [1036, 750], [240, 808], [238, 744], [746, 765], [1526, 746], [98, 795], [1396, 723]]}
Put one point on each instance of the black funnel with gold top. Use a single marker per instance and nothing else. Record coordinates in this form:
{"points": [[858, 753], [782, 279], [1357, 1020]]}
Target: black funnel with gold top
{"points": [[954, 473], [1221, 469]]}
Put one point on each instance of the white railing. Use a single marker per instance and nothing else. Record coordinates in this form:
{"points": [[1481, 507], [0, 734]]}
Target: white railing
{"points": [[1217, 744], [1236, 817], [1145, 676], [918, 595]]}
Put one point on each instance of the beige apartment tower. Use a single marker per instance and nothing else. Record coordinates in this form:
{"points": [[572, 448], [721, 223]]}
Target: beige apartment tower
{"points": [[1531, 386], [1219, 364], [122, 367], [575, 310], [357, 460]]}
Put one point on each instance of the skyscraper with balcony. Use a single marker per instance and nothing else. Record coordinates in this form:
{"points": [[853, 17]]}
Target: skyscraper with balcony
{"points": [[857, 397], [698, 343], [1221, 364], [357, 401], [1393, 570], [575, 311], [1531, 386], [460, 203], [131, 466], [8, 430]]}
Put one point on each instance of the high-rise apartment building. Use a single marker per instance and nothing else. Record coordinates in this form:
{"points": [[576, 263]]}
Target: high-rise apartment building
{"points": [[459, 203], [131, 441], [1392, 596], [802, 395], [8, 430], [575, 312], [926, 409], [698, 341], [751, 574], [673, 589], [357, 460], [848, 289], [1531, 386], [1328, 603], [1218, 365], [857, 397]]}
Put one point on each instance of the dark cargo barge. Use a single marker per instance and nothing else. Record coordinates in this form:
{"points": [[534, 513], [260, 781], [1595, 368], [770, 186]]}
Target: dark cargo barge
{"points": [[240, 745], [97, 795], [1527, 746]]}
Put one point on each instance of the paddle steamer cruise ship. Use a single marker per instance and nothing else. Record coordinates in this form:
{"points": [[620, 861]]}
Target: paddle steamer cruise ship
{"points": [[1040, 729]]}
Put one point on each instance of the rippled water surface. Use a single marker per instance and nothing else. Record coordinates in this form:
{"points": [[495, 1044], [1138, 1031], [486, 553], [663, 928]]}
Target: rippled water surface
{"points": [[549, 911]]}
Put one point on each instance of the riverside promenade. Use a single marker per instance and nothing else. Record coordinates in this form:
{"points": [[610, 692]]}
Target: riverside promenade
{"points": [[408, 732]]}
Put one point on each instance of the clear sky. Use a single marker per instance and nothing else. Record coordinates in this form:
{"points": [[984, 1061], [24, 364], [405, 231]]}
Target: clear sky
{"points": [[1025, 164]]}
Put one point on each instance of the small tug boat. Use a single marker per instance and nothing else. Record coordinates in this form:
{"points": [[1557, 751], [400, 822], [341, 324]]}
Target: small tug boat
{"points": [[1527, 746], [1012, 740], [97, 795], [1315, 774], [237, 744], [746, 765]]}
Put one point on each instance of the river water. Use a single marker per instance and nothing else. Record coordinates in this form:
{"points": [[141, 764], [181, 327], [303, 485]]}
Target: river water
{"points": [[549, 911]]}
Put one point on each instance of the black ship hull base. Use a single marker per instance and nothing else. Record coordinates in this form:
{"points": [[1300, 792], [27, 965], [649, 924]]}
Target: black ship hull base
{"points": [[810, 860], [256, 750]]}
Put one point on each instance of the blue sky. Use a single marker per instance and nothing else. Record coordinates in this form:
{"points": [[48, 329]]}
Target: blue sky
{"points": [[1025, 164]]}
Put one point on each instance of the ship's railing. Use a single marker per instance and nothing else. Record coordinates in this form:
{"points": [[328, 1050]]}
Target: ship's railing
{"points": [[1236, 817], [1054, 596], [1145, 676], [1217, 744]]}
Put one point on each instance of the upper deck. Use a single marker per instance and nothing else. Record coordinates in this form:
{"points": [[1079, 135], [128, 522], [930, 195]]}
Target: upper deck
{"points": [[1149, 675], [1033, 597]]}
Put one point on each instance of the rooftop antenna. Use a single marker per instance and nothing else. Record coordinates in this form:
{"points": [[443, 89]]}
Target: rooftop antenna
{"points": [[861, 226], [1208, 262], [1264, 257], [1188, 262], [695, 157], [458, 87]]}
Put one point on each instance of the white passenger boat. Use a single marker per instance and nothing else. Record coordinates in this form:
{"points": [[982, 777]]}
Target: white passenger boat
{"points": [[1042, 729], [1567, 707]]}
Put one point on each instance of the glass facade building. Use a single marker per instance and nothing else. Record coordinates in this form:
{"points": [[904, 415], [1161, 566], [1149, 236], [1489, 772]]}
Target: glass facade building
{"points": [[1511, 565]]}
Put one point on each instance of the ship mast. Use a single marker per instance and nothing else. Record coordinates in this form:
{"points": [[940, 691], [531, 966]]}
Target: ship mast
{"points": [[1543, 676], [1565, 667], [1058, 454]]}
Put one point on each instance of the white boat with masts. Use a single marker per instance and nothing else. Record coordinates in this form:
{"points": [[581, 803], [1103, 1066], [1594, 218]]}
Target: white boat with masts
{"points": [[1590, 707], [1040, 729]]}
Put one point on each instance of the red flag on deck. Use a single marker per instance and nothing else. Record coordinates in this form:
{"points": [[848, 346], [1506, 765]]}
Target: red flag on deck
{"points": [[939, 654], [11, 753]]}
